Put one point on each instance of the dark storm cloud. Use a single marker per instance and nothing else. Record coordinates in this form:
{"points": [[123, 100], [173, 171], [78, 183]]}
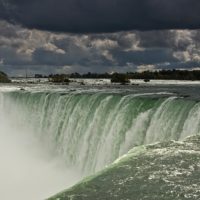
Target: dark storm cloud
{"points": [[189, 65], [50, 52], [162, 39], [92, 16], [145, 57]]}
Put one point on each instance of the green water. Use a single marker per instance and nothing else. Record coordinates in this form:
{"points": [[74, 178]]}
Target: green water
{"points": [[92, 129], [164, 171]]}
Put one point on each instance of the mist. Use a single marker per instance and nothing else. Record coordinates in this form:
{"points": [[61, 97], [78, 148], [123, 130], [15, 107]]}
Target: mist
{"points": [[28, 170]]}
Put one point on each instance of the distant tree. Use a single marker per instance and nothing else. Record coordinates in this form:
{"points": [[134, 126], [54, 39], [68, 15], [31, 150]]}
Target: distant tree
{"points": [[75, 75], [59, 78], [146, 80], [119, 78], [38, 76], [4, 78], [125, 77]]}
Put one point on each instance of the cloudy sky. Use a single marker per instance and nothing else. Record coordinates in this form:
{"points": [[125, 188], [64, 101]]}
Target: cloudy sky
{"points": [[65, 36]]}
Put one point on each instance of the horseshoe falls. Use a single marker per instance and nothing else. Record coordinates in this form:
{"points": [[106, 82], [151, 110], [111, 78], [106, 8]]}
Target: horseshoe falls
{"points": [[51, 138]]}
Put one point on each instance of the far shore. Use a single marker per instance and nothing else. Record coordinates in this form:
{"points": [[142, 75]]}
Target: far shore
{"points": [[99, 81]]}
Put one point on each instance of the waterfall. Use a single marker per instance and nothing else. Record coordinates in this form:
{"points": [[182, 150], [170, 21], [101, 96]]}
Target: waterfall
{"points": [[92, 129], [28, 170]]}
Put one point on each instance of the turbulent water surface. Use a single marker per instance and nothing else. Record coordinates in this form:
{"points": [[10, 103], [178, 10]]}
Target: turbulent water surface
{"points": [[164, 171], [53, 136]]}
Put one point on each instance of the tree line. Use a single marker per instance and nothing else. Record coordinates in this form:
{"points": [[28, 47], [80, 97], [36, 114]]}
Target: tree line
{"points": [[146, 75]]}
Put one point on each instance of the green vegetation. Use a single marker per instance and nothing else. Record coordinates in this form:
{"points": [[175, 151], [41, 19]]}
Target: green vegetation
{"points": [[59, 78], [124, 77], [166, 75], [146, 75], [4, 78], [119, 78]]}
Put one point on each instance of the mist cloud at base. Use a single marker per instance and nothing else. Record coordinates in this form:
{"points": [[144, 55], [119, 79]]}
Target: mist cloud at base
{"points": [[28, 170]]}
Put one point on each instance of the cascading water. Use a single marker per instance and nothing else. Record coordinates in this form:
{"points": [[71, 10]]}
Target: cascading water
{"points": [[27, 169], [89, 130]]}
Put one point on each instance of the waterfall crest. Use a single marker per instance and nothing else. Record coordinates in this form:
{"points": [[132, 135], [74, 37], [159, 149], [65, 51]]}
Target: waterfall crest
{"points": [[91, 130]]}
